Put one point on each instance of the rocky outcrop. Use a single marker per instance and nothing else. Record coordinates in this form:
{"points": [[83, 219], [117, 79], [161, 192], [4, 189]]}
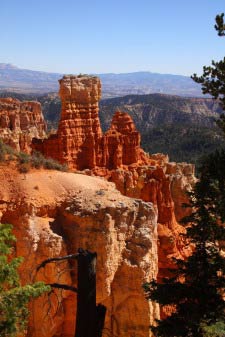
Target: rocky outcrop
{"points": [[20, 122], [121, 143], [75, 211], [79, 141], [118, 157], [55, 213], [165, 185]]}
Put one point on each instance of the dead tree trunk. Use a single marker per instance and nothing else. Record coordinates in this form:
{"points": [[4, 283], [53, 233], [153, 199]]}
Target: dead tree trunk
{"points": [[90, 318], [86, 296], [101, 311]]}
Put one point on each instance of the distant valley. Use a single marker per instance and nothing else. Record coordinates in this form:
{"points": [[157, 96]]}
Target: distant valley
{"points": [[168, 110], [184, 128], [19, 80]]}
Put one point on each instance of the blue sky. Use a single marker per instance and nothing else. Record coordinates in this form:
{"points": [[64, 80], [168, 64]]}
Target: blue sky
{"points": [[96, 36]]}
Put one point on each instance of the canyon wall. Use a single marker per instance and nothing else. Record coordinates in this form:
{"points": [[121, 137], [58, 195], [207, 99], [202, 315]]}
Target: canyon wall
{"points": [[118, 157], [164, 184], [20, 122], [55, 213], [134, 228]]}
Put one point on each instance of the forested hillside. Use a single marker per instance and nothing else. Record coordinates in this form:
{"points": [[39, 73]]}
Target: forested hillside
{"points": [[184, 128]]}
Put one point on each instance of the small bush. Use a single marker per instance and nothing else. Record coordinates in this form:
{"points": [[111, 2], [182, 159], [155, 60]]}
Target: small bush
{"points": [[24, 158], [52, 164], [6, 152], [38, 160], [26, 161]]}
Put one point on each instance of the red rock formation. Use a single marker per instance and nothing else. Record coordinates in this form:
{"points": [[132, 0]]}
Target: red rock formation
{"points": [[55, 213], [162, 186], [79, 141], [118, 157], [121, 143], [20, 122]]}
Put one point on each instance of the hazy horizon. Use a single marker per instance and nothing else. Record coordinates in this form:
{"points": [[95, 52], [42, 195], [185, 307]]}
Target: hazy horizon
{"points": [[106, 73]]}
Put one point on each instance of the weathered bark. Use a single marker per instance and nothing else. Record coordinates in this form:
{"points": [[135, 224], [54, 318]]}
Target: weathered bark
{"points": [[101, 311], [86, 320], [90, 318]]}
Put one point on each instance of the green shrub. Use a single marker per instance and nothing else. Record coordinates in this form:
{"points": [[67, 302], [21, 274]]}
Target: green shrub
{"points": [[14, 297], [26, 161], [52, 164], [38, 161], [6, 151], [24, 158]]}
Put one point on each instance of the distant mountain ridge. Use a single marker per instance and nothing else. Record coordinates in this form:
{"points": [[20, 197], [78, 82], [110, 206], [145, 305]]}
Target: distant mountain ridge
{"points": [[19, 80], [7, 66]]}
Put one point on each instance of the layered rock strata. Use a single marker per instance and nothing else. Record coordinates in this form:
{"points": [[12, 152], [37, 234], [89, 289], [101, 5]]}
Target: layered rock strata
{"points": [[118, 157], [20, 122], [54, 214], [165, 185], [102, 220], [79, 141]]}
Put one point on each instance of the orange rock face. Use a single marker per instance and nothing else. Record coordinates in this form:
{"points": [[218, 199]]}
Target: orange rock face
{"points": [[65, 211], [55, 213], [166, 190], [79, 141], [121, 143], [20, 122], [118, 157]]}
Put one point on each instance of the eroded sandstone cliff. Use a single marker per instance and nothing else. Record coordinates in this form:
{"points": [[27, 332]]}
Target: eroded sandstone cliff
{"points": [[79, 141], [60, 212], [164, 184], [118, 157], [54, 214], [20, 122]]}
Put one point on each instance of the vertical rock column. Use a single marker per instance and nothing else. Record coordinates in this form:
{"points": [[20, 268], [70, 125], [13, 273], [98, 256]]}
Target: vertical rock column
{"points": [[121, 144], [79, 131]]}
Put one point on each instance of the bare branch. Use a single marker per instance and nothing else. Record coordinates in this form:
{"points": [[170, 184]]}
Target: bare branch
{"points": [[62, 286], [54, 259]]}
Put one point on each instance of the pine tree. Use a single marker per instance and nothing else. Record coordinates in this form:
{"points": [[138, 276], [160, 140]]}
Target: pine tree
{"points": [[195, 290], [213, 77], [14, 298]]}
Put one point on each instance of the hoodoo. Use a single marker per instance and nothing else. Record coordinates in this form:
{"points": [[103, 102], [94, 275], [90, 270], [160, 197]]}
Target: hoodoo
{"points": [[79, 141], [134, 228], [79, 132], [117, 156]]}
